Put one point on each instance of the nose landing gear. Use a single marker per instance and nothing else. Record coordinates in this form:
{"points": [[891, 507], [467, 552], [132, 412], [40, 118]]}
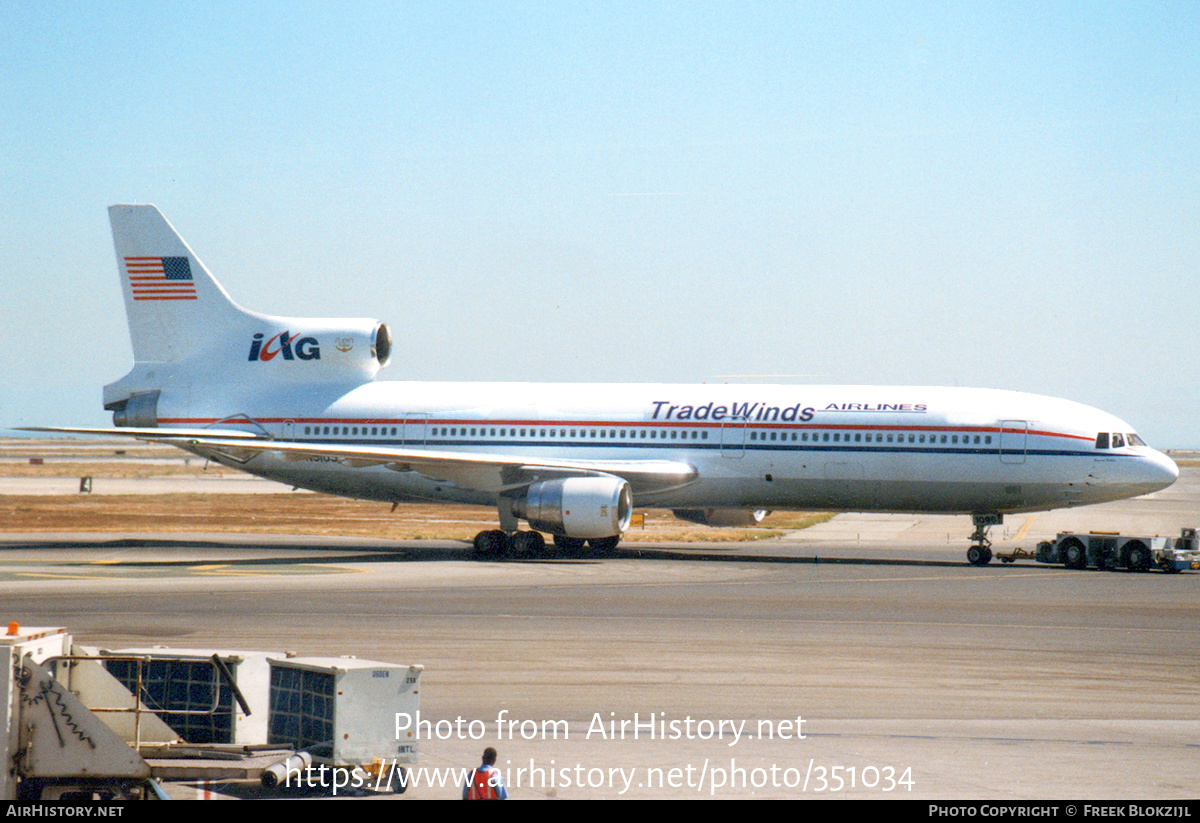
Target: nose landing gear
{"points": [[980, 552]]}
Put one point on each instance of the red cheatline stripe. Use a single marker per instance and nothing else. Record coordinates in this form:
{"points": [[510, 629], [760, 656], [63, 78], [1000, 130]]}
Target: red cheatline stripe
{"points": [[350, 421]]}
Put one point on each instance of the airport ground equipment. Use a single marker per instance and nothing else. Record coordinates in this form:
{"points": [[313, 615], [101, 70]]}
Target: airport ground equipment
{"points": [[204, 700], [84, 724], [1112, 550], [1016, 554], [54, 747], [344, 711]]}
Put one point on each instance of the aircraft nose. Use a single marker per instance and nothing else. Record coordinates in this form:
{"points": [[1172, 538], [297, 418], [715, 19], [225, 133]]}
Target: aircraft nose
{"points": [[1155, 472], [1160, 470], [1145, 472]]}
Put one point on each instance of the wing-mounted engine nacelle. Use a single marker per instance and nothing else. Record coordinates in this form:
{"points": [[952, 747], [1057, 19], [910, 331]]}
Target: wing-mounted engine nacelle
{"points": [[722, 517], [586, 508], [316, 349]]}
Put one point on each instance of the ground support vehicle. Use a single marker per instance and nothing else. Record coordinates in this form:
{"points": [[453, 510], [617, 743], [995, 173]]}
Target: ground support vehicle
{"points": [[1114, 551]]}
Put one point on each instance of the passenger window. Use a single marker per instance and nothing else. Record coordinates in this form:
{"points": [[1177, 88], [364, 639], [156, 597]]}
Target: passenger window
{"points": [[1102, 440]]}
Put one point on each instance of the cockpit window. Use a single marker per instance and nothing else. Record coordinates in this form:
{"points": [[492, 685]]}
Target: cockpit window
{"points": [[1102, 440], [1118, 440], [1134, 440]]}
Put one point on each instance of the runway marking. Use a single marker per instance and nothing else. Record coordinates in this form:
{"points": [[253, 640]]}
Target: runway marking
{"points": [[1021, 532], [114, 571], [226, 570], [62, 576], [232, 573]]}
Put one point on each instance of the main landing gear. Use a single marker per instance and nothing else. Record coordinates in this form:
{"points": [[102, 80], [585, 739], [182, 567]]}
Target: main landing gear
{"points": [[980, 552], [499, 543]]}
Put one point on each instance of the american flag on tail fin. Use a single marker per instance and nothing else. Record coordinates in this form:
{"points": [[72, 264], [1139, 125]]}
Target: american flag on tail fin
{"points": [[160, 278]]}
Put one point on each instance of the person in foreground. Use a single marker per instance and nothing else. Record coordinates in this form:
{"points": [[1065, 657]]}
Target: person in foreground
{"points": [[485, 783]]}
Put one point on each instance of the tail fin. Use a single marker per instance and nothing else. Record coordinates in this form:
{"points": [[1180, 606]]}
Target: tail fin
{"points": [[195, 351], [172, 302]]}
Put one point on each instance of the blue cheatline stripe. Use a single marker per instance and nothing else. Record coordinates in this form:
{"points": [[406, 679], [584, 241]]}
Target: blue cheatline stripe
{"points": [[683, 446]]}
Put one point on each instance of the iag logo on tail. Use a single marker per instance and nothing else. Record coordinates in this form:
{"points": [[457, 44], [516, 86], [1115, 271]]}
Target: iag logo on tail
{"points": [[285, 343]]}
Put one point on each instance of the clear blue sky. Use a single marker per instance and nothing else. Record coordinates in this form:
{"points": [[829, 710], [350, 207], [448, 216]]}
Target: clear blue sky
{"points": [[998, 195]]}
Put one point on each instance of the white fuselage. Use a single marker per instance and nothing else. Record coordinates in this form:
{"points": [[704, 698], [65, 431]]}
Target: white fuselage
{"points": [[856, 448]]}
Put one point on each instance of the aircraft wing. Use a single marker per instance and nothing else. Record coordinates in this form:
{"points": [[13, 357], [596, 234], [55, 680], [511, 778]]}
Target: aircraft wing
{"points": [[156, 434], [483, 471]]}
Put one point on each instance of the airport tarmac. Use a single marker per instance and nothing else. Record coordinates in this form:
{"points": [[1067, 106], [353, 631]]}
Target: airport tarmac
{"points": [[915, 675]]}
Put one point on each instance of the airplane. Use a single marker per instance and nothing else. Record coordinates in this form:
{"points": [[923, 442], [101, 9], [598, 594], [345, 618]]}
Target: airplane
{"points": [[296, 400]]}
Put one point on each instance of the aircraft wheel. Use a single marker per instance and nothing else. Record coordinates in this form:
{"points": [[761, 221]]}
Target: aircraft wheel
{"points": [[1139, 557], [1074, 555], [492, 543], [529, 544], [605, 544], [979, 556], [565, 543]]}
